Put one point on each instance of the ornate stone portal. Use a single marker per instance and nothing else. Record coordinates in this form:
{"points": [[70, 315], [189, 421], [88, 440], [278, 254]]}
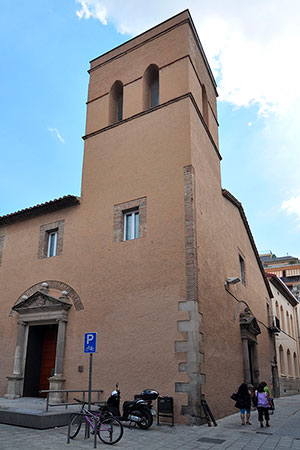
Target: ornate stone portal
{"points": [[249, 331], [40, 309]]}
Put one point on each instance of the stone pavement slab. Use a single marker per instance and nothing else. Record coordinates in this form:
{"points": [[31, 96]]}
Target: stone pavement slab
{"points": [[283, 434]]}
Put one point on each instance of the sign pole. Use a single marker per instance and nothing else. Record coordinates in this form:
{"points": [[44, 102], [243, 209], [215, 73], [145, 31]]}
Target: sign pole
{"points": [[90, 381], [90, 346]]}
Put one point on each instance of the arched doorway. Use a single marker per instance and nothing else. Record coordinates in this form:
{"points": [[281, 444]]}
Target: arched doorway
{"points": [[39, 354]]}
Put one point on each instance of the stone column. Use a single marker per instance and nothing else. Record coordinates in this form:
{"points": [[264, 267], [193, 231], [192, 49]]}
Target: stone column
{"points": [[255, 364], [15, 381], [60, 347], [57, 381], [246, 362]]}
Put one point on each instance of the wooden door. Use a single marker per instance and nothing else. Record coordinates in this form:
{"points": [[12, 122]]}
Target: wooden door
{"points": [[48, 356]]}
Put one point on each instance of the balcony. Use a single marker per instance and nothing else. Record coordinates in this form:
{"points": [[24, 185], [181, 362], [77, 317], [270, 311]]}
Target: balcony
{"points": [[274, 325]]}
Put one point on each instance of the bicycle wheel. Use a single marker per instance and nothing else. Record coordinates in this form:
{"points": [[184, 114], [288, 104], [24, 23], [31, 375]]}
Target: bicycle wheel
{"points": [[75, 424], [110, 430]]}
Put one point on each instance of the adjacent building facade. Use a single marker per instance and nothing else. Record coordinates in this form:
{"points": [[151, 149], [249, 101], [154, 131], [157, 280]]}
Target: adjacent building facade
{"points": [[285, 267], [155, 256], [287, 345]]}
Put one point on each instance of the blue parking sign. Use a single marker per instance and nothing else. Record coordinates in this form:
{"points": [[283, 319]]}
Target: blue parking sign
{"points": [[90, 342]]}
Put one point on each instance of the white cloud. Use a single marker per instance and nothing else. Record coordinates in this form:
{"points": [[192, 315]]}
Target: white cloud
{"points": [[57, 134], [278, 150], [90, 8], [252, 46], [292, 206]]}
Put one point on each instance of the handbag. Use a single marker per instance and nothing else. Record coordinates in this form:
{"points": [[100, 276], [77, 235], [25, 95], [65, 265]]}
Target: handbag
{"points": [[254, 400], [234, 396]]}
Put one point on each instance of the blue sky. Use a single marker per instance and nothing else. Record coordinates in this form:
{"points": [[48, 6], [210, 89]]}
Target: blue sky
{"points": [[252, 49]]}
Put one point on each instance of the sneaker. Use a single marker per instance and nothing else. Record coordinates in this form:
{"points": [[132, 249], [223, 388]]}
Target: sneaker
{"points": [[261, 425], [267, 425], [248, 423]]}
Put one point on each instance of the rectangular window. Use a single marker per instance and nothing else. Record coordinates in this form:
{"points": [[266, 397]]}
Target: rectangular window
{"points": [[131, 225], [52, 243], [51, 239], [130, 220], [242, 270]]}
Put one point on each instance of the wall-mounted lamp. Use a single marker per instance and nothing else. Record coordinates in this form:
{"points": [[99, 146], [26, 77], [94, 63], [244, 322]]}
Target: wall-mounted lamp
{"points": [[232, 280]]}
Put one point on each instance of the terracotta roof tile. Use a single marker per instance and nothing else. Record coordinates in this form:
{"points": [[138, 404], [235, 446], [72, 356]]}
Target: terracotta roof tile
{"points": [[38, 210]]}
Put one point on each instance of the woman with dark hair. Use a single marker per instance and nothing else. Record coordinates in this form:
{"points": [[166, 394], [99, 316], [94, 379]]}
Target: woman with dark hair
{"points": [[263, 404], [244, 403]]}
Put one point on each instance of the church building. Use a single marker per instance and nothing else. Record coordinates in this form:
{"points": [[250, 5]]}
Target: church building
{"points": [[154, 256]]}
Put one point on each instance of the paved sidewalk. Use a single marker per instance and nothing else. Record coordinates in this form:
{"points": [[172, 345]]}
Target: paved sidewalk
{"points": [[283, 434]]}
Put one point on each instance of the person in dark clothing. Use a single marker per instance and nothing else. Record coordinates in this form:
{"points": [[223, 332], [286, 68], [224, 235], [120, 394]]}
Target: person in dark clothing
{"points": [[244, 403]]}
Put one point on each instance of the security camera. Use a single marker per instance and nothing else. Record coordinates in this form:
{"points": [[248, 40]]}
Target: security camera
{"points": [[232, 280]]}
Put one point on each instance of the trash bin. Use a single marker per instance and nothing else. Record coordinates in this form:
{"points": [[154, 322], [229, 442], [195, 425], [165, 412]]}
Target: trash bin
{"points": [[165, 408]]}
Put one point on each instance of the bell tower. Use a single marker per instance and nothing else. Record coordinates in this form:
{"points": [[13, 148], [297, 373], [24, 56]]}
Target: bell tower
{"points": [[151, 129]]}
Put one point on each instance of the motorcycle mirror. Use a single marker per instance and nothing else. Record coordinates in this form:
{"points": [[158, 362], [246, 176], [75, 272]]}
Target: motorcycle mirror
{"points": [[117, 385]]}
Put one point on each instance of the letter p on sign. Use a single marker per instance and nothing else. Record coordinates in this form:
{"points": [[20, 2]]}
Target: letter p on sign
{"points": [[90, 342]]}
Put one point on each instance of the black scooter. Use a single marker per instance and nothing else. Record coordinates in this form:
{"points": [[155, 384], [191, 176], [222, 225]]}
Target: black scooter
{"points": [[138, 411]]}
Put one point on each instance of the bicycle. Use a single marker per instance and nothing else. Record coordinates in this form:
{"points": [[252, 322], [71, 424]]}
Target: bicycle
{"points": [[109, 429]]}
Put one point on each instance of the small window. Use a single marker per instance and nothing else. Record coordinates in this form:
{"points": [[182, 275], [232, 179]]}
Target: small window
{"points": [[288, 328], [282, 318], [292, 327], [51, 239], [151, 87], [281, 360], [154, 93], [52, 243], [204, 105], [289, 360], [120, 108], [242, 269], [130, 220], [116, 102], [277, 309], [131, 225]]}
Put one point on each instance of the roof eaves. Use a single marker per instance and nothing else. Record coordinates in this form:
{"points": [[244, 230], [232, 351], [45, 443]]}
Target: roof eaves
{"points": [[40, 209], [280, 285], [238, 204], [282, 258]]}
